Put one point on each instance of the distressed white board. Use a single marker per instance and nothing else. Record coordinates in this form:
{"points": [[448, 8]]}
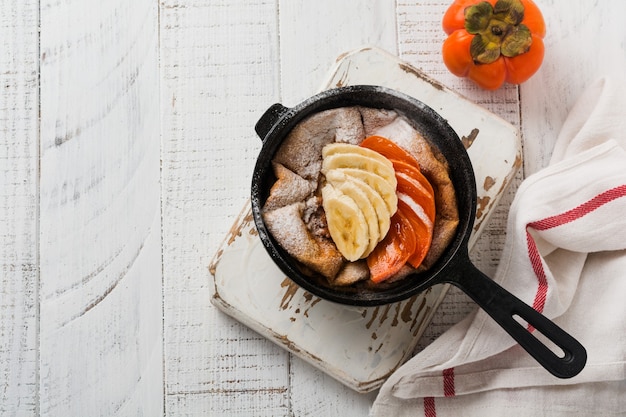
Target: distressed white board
{"points": [[19, 104], [360, 346], [100, 226]]}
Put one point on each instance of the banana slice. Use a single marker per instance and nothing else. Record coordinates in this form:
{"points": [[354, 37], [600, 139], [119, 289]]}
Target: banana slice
{"points": [[383, 217], [346, 223], [350, 189], [380, 165], [347, 148], [386, 189]]}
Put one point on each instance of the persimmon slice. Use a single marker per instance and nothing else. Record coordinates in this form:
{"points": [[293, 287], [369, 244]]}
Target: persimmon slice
{"points": [[423, 231], [417, 192], [411, 231], [393, 252], [389, 149], [415, 173]]}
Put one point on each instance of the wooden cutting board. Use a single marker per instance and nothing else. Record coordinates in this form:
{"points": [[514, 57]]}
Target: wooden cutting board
{"points": [[360, 346]]}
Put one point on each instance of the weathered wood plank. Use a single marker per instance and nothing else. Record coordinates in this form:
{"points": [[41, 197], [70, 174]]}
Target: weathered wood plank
{"points": [[312, 36], [314, 33], [219, 66], [584, 41], [19, 106], [100, 234], [317, 394]]}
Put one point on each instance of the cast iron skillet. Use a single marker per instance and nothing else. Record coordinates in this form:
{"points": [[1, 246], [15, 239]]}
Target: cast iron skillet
{"points": [[454, 266]]}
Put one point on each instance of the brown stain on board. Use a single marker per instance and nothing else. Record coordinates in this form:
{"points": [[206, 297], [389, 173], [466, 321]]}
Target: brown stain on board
{"points": [[284, 340], [484, 202], [244, 219], [237, 229], [489, 182], [213, 264], [290, 292], [414, 71], [341, 56], [417, 313], [374, 315], [401, 313], [482, 206], [407, 314], [344, 77], [290, 345], [415, 328], [404, 313], [306, 312], [394, 322], [385, 314], [469, 139]]}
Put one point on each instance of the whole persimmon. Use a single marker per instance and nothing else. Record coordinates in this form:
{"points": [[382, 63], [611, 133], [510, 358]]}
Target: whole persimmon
{"points": [[493, 41]]}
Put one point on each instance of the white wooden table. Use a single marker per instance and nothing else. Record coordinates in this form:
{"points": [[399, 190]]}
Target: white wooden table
{"points": [[126, 151]]}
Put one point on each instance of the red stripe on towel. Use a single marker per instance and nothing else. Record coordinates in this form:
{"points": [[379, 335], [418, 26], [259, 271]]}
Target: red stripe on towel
{"points": [[448, 382], [537, 265], [542, 280], [429, 407], [559, 220], [580, 211]]}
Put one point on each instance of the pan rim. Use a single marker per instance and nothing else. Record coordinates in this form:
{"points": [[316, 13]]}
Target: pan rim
{"points": [[449, 145]]}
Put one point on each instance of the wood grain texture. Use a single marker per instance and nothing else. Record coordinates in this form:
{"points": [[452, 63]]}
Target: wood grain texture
{"points": [[314, 33], [584, 41], [19, 271], [113, 203], [219, 66], [100, 233]]}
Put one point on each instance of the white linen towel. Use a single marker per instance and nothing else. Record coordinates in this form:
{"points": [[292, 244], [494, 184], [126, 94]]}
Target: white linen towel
{"points": [[565, 256]]}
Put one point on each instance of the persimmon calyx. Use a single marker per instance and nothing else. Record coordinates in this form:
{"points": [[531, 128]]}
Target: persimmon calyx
{"points": [[498, 30]]}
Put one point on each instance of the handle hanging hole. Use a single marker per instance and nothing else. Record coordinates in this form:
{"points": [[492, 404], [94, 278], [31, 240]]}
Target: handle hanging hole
{"points": [[554, 348]]}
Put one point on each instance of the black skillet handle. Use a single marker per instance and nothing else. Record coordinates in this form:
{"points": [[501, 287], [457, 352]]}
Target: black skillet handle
{"points": [[502, 306], [269, 119]]}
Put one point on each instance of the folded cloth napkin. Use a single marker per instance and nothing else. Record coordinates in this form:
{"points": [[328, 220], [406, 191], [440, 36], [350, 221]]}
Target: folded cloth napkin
{"points": [[565, 255]]}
